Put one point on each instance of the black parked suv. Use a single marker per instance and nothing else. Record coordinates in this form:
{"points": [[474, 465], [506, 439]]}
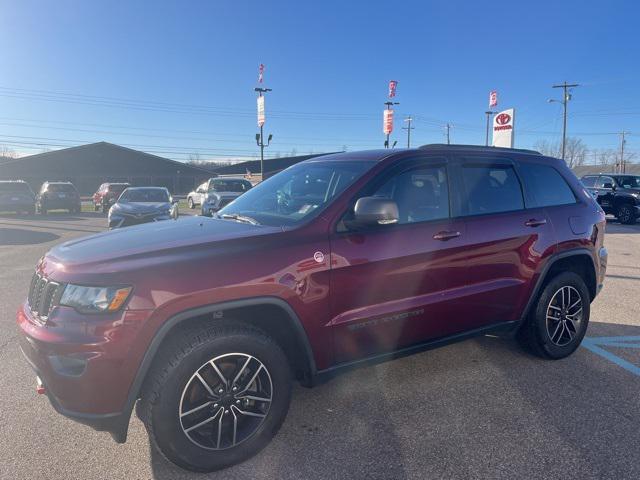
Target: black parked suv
{"points": [[58, 195], [16, 196], [617, 193]]}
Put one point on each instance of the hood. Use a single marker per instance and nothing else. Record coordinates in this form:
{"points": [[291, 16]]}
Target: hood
{"points": [[141, 207], [153, 240]]}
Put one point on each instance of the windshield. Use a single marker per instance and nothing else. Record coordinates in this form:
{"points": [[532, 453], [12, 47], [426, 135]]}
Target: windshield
{"points": [[117, 187], [151, 195], [60, 187], [237, 186], [14, 187], [296, 194], [629, 181]]}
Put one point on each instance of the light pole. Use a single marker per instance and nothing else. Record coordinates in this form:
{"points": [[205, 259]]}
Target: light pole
{"points": [[260, 136], [488, 113], [566, 96], [389, 105]]}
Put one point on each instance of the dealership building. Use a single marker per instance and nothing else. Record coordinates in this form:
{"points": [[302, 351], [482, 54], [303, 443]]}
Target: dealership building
{"points": [[87, 166]]}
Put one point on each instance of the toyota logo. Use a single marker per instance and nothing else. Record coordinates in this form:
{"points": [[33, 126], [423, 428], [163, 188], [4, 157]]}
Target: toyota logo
{"points": [[503, 119]]}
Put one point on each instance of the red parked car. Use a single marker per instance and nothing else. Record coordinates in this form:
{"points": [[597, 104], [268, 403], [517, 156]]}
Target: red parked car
{"points": [[334, 262], [107, 194]]}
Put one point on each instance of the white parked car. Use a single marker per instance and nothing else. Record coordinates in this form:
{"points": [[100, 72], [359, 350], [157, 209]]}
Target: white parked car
{"points": [[221, 192]]}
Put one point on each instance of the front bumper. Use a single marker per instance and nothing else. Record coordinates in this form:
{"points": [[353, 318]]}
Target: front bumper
{"points": [[118, 221], [87, 363]]}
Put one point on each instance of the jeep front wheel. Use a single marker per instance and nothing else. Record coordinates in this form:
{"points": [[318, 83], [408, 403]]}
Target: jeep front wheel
{"points": [[217, 397], [558, 322]]}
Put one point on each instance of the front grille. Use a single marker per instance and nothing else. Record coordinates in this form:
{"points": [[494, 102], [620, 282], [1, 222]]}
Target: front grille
{"points": [[130, 220], [44, 295]]}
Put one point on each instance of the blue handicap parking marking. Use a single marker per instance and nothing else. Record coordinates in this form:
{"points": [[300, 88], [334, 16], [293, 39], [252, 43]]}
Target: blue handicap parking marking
{"points": [[597, 344]]}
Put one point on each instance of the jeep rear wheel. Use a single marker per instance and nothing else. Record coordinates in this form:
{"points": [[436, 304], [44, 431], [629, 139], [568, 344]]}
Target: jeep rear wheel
{"points": [[217, 397], [558, 323], [191, 204], [626, 214]]}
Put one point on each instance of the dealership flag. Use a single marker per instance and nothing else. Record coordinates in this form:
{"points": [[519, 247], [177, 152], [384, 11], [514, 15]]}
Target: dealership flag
{"points": [[260, 73], [493, 99], [392, 88], [260, 110], [387, 124]]}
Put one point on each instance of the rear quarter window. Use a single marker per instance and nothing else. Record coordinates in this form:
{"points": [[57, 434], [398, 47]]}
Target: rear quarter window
{"points": [[545, 184]]}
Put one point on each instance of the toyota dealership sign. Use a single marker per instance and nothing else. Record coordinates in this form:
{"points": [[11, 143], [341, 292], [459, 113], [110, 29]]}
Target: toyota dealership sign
{"points": [[503, 128]]}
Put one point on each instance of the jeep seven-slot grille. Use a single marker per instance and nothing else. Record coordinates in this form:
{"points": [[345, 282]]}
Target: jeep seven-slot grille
{"points": [[43, 296]]}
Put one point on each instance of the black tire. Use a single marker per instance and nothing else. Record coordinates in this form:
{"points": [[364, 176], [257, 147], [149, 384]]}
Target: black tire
{"points": [[189, 352], [105, 207], [96, 207], [191, 204], [536, 333], [626, 215]]}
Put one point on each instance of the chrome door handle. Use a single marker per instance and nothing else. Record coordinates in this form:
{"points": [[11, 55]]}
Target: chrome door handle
{"points": [[446, 235], [535, 223]]}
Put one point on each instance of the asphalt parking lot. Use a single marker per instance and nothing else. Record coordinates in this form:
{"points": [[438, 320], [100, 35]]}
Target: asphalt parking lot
{"points": [[478, 409]]}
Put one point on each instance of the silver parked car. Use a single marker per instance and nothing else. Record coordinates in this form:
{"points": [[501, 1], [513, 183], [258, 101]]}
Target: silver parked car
{"points": [[197, 196], [223, 191], [138, 205]]}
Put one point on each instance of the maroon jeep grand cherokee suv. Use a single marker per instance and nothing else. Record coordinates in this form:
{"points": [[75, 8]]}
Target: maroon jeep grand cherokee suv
{"points": [[336, 261]]}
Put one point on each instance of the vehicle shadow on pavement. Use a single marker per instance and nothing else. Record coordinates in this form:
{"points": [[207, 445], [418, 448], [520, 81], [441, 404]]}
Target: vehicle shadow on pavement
{"points": [[19, 236], [477, 409]]}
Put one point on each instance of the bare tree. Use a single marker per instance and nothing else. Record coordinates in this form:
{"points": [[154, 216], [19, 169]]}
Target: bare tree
{"points": [[575, 150], [7, 152], [194, 158]]}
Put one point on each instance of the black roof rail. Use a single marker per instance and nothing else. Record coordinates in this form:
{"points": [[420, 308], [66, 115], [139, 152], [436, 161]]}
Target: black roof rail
{"points": [[438, 146]]}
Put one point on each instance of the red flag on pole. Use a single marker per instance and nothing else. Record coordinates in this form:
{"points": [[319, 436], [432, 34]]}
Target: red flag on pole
{"points": [[493, 99], [393, 84], [260, 73]]}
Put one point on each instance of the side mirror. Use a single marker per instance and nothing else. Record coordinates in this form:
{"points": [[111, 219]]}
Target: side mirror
{"points": [[375, 211], [608, 185]]}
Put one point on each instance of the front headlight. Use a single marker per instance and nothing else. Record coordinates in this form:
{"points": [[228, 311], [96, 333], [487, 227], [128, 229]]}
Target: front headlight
{"points": [[94, 299]]}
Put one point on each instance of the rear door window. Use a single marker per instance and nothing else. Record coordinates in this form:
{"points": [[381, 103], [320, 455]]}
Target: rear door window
{"points": [[490, 189], [546, 185]]}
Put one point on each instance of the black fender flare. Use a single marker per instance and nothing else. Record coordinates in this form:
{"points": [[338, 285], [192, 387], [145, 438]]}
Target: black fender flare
{"points": [[543, 275], [152, 350]]}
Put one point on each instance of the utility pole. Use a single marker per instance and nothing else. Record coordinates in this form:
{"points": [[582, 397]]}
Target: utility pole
{"points": [[448, 134], [566, 96], [488, 113], [408, 128], [260, 136], [623, 164]]}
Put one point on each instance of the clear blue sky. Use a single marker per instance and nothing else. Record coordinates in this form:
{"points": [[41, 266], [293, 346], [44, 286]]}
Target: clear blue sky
{"points": [[177, 77]]}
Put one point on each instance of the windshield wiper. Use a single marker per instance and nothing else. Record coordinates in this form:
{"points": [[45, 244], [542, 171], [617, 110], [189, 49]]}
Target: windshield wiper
{"points": [[240, 218]]}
